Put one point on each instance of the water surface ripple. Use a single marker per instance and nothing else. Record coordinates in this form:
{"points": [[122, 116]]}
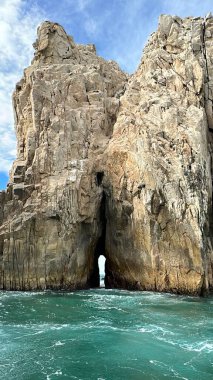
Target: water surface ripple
{"points": [[105, 335]]}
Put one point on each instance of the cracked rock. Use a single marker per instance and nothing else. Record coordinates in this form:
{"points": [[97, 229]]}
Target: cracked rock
{"points": [[114, 165]]}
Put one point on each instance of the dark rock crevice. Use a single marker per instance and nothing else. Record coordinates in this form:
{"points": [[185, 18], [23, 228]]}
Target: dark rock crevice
{"points": [[99, 247]]}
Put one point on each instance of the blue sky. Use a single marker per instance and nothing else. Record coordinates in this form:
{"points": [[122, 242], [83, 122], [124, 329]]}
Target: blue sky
{"points": [[118, 28]]}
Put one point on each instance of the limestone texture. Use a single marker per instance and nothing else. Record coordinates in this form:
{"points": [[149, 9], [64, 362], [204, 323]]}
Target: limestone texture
{"points": [[113, 164]]}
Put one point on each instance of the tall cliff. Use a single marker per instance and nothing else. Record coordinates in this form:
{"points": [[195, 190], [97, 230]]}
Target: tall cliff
{"points": [[114, 165]]}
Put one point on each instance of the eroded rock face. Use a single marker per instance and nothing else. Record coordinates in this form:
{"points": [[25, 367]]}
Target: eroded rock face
{"points": [[113, 165], [159, 165], [65, 108]]}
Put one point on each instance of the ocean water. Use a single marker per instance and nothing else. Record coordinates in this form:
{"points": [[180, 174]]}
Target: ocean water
{"points": [[105, 335]]}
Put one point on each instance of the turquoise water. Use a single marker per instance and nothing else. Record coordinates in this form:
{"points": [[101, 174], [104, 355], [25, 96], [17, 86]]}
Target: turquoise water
{"points": [[105, 335]]}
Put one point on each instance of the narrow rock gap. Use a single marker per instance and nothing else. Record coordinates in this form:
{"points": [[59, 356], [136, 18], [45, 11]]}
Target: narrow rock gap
{"points": [[99, 249]]}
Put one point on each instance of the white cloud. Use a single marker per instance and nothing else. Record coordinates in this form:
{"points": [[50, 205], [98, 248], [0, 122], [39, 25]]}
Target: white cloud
{"points": [[17, 33], [83, 4], [187, 8], [5, 165], [91, 26]]}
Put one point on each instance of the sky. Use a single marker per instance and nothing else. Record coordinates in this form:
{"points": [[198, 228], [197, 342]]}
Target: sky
{"points": [[118, 28]]}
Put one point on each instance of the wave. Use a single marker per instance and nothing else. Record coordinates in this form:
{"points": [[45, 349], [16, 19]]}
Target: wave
{"points": [[206, 346], [155, 329]]}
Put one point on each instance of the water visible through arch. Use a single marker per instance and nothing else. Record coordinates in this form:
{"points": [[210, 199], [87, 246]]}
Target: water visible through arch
{"points": [[101, 266]]}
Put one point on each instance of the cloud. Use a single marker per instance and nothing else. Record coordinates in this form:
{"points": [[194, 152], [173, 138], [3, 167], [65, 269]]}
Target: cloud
{"points": [[17, 33], [185, 8], [91, 27], [75, 5], [83, 4], [85, 11], [123, 29]]}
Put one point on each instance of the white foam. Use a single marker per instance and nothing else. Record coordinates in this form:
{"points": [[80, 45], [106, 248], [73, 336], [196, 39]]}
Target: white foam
{"points": [[58, 372], [154, 329], [59, 343], [206, 346]]}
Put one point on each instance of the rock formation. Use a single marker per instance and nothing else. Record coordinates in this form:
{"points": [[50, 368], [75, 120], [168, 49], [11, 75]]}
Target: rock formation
{"points": [[114, 165]]}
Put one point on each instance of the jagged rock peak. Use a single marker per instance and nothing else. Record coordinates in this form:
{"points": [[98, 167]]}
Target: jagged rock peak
{"points": [[53, 45], [114, 165]]}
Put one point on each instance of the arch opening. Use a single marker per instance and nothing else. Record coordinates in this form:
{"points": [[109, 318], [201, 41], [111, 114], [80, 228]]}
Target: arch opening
{"points": [[98, 274], [101, 266]]}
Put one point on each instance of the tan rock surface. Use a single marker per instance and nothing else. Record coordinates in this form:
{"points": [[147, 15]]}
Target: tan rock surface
{"points": [[159, 165], [65, 107], [98, 172]]}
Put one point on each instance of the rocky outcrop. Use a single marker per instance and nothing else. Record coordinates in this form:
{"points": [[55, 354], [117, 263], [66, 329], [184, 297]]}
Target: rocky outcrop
{"points": [[65, 108], [113, 165], [159, 164]]}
